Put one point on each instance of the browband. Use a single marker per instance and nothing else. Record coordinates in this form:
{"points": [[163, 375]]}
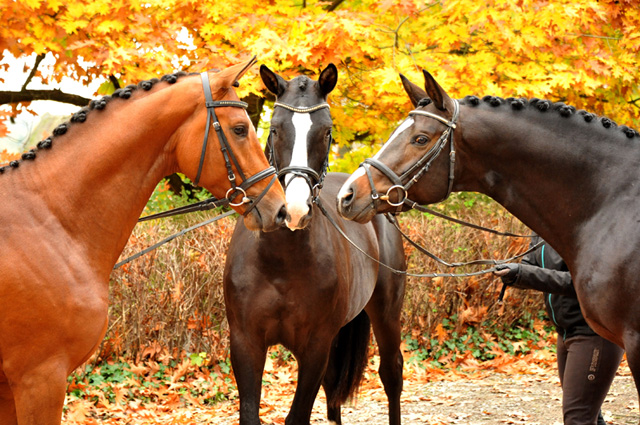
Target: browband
{"points": [[302, 110], [434, 116], [220, 103]]}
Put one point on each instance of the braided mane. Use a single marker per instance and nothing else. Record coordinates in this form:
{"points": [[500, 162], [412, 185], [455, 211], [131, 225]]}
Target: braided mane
{"points": [[81, 115], [545, 105]]}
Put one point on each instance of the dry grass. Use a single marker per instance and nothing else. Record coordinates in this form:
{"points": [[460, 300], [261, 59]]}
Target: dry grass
{"points": [[170, 301]]}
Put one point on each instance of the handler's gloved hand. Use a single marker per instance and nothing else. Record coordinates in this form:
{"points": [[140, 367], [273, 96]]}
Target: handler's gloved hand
{"points": [[508, 272]]}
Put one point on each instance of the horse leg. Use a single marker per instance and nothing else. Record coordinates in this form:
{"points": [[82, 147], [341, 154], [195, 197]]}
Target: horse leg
{"points": [[247, 359], [312, 364], [384, 310], [388, 338], [39, 393], [632, 347], [7, 405]]}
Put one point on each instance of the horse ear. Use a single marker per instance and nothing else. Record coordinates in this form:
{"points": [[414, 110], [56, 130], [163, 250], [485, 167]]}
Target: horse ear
{"points": [[436, 93], [274, 83], [328, 79], [243, 70], [415, 93], [229, 77]]}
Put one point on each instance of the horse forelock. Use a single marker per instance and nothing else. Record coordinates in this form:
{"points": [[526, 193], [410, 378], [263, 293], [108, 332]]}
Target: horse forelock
{"points": [[543, 106], [81, 115]]}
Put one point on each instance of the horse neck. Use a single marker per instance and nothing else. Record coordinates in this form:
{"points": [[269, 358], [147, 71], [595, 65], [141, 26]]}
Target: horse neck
{"points": [[97, 178], [545, 169]]}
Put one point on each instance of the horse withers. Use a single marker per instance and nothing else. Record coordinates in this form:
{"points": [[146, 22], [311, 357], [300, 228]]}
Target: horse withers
{"points": [[309, 289], [569, 175], [69, 207]]}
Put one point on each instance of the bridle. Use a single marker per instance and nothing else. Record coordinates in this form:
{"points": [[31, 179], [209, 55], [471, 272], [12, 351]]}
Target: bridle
{"points": [[418, 169], [229, 158], [314, 179]]}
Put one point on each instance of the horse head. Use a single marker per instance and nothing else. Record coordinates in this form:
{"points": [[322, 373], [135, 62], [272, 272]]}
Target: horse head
{"points": [[300, 138], [386, 182], [248, 182]]}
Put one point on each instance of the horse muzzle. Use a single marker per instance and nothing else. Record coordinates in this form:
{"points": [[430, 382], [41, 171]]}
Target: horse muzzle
{"points": [[354, 203]]}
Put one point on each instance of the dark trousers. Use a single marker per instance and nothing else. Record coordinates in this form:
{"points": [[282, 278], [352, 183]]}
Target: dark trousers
{"points": [[587, 366]]}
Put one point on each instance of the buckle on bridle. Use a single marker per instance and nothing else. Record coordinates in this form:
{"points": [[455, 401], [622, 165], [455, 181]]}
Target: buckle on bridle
{"points": [[386, 197], [245, 198]]}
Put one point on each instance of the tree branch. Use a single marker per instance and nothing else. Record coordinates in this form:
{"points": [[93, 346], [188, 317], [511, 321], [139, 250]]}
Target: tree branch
{"points": [[33, 70], [114, 81], [8, 97], [333, 6]]}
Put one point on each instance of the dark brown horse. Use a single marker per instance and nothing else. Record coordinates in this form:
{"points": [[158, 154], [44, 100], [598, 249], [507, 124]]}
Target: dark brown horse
{"points": [[569, 175], [309, 289], [69, 207]]}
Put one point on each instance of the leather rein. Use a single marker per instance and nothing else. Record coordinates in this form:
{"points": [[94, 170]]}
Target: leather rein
{"points": [[412, 175], [230, 161]]}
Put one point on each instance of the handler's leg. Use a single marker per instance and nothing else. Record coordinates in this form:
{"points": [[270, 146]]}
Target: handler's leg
{"points": [[590, 366]]}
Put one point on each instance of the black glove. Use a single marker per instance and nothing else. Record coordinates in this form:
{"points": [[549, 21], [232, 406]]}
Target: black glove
{"points": [[508, 272]]}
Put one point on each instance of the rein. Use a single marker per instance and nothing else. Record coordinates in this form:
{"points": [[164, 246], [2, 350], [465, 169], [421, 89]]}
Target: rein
{"points": [[172, 237], [229, 158], [414, 205], [434, 257], [393, 221], [312, 177], [431, 275]]}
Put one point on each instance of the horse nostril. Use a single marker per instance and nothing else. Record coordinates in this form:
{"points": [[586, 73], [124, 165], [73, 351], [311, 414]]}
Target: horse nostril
{"points": [[347, 199], [282, 216]]}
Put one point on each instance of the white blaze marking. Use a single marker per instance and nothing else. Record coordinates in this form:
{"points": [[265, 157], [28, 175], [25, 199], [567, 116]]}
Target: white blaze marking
{"points": [[344, 190], [298, 190], [405, 124]]}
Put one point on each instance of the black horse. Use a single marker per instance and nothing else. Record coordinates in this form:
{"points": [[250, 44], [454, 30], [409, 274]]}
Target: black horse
{"points": [[569, 175], [309, 289]]}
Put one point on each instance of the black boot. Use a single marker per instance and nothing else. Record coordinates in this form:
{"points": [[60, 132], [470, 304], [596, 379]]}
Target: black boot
{"points": [[601, 419]]}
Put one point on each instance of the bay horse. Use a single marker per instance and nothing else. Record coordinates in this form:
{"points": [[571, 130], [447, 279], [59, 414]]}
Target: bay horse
{"points": [[69, 206], [570, 176], [305, 287]]}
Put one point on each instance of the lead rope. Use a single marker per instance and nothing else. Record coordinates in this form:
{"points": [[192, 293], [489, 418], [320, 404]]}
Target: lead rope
{"points": [[483, 261], [404, 272], [229, 157], [172, 237], [416, 206]]}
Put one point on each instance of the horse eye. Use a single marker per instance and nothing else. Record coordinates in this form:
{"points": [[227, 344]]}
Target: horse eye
{"points": [[421, 140], [240, 130], [273, 131]]}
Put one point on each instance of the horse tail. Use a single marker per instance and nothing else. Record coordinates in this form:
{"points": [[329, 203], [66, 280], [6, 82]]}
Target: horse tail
{"points": [[348, 360]]}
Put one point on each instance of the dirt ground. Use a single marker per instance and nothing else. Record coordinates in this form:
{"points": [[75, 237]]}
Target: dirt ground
{"points": [[494, 398]]}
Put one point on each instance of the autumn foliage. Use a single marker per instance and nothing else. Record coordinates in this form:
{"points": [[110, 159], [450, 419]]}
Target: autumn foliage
{"points": [[582, 52], [166, 344]]}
